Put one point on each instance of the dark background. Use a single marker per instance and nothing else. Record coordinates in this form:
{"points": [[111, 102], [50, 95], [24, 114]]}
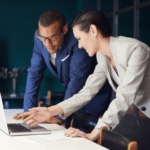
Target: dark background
{"points": [[19, 20]]}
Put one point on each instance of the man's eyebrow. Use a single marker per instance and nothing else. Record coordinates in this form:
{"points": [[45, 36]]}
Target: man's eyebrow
{"points": [[48, 36]]}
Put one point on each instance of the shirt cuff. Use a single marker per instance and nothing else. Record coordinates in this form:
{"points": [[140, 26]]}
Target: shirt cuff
{"points": [[67, 110]]}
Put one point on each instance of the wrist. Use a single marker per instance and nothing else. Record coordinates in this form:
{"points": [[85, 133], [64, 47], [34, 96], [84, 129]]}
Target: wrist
{"points": [[55, 110], [88, 136], [94, 135]]}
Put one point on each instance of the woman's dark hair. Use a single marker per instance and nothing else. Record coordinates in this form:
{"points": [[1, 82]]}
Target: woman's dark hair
{"points": [[50, 16], [93, 16]]}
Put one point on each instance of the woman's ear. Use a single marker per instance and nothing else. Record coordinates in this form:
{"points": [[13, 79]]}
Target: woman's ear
{"points": [[65, 29], [93, 30]]}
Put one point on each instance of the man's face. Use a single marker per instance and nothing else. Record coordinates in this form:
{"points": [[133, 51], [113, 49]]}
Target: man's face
{"points": [[50, 32]]}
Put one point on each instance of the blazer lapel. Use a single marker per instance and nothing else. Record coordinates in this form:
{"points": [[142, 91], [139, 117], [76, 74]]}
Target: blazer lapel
{"points": [[113, 50], [59, 56], [58, 64]]}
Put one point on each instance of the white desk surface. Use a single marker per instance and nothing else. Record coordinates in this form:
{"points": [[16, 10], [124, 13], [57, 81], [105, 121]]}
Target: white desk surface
{"points": [[54, 141]]}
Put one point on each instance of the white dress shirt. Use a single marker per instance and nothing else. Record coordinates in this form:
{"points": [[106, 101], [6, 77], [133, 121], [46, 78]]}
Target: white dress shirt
{"points": [[53, 59]]}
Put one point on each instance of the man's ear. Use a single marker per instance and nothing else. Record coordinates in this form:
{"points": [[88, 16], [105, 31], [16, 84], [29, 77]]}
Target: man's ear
{"points": [[65, 29], [93, 30]]}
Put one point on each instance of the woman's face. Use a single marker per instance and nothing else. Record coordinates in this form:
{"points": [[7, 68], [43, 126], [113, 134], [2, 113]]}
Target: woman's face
{"points": [[86, 40]]}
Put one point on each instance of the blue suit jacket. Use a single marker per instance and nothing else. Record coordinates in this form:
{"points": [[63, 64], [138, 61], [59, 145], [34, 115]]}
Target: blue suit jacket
{"points": [[73, 67]]}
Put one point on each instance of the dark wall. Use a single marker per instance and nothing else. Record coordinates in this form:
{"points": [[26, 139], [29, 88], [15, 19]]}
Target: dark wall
{"points": [[18, 21]]}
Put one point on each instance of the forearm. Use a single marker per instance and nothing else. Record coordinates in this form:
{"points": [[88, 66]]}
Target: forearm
{"points": [[55, 110], [94, 135]]}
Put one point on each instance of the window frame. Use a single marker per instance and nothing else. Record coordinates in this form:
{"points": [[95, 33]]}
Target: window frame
{"points": [[135, 8]]}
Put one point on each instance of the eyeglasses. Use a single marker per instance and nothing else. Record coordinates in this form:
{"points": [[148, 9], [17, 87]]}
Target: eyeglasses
{"points": [[52, 38]]}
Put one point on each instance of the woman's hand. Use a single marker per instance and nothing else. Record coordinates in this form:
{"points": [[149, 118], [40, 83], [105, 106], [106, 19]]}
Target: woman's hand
{"points": [[21, 115], [34, 116], [37, 115], [73, 132]]}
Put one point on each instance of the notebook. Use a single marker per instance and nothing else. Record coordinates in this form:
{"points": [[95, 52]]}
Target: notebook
{"points": [[18, 128]]}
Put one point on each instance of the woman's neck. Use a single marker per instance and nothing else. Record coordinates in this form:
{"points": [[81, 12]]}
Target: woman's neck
{"points": [[104, 47]]}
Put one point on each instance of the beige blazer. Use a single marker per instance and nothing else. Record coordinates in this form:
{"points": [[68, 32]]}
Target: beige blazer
{"points": [[132, 60]]}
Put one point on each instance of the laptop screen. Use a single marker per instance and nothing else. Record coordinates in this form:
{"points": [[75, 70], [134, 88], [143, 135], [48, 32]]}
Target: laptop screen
{"points": [[3, 124]]}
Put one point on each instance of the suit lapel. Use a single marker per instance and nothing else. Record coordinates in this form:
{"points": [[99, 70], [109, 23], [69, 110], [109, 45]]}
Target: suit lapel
{"points": [[58, 63], [114, 52], [62, 53]]}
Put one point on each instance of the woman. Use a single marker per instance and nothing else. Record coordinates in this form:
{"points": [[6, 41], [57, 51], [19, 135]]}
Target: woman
{"points": [[125, 62]]}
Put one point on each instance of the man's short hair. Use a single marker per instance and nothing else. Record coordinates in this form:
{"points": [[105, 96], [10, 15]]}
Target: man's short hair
{"points": [[93, 16], [49, 17]]}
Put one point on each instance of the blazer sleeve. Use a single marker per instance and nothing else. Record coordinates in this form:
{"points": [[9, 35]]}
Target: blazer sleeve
{"points": [[126, 92], [92, 86], [35, 75]]}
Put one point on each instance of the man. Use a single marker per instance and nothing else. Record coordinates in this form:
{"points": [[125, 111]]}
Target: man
{"points": [[56, 48]]}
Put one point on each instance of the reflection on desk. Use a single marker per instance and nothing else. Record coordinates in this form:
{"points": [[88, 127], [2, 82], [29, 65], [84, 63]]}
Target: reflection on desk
{"points": [[54, 141]]}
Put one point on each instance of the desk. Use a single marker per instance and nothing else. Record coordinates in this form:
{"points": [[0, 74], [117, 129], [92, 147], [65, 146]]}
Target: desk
{"points": [[53, 141]]}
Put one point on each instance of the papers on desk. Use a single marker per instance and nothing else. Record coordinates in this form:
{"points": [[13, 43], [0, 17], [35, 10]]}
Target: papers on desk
{"points": [[44, 139], [59, 136]]}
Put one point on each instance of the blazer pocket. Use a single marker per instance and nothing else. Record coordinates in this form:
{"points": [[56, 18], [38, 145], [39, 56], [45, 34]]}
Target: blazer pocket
{"points": [[65, 58]]}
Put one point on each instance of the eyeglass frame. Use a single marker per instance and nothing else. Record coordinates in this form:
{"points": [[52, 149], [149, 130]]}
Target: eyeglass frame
{"points": [[49, 38]]}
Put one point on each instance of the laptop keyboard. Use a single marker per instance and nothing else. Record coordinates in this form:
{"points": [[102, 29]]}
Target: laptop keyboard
{"points": [[17, 128]]}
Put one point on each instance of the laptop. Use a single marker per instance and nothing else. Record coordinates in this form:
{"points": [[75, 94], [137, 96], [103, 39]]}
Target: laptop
{"points": [[18, 128]]}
